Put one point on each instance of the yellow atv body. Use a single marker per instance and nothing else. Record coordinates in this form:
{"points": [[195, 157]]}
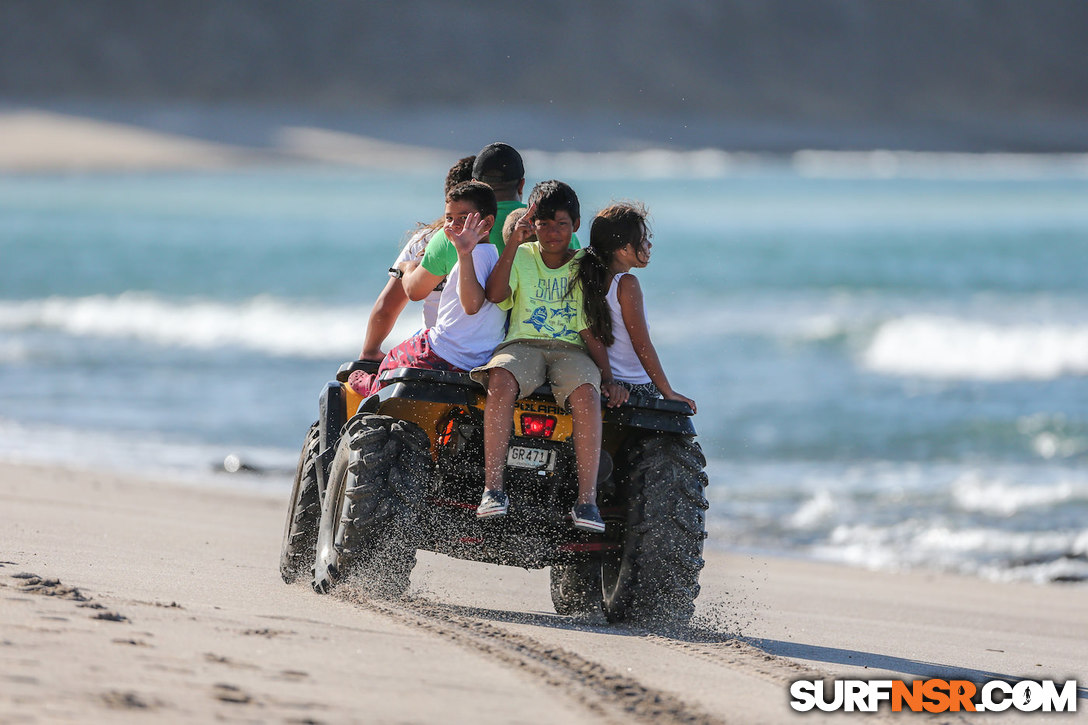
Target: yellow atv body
{"points": [[403, 470]]}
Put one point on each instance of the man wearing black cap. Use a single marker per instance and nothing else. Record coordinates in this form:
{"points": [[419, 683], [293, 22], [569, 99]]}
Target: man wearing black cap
{"points": [[499, 166]]}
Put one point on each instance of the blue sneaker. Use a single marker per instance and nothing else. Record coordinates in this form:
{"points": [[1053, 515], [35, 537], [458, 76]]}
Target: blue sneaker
{"points": [[587, 517], [494, 503]]}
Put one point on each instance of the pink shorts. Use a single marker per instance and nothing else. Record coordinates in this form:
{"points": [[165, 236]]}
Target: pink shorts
{"points": [[415, 352]]}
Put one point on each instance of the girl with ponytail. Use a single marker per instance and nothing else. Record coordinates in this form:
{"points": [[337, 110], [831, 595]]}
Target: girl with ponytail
{"points": [[619, 240]]}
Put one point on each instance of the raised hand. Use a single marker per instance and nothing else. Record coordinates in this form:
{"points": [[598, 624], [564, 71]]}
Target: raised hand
{"points": [[471, 233], [525, 228]]}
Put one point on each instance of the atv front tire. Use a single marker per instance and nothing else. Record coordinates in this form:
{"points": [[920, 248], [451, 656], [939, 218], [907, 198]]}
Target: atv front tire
{"points": [[370, 520], [303, 513], [656, 577]]}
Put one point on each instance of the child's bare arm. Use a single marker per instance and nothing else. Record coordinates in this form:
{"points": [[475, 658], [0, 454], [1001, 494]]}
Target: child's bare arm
{"points": [[469, 290], [418, 282], [616, 393], [498, 282], [634, 319]]}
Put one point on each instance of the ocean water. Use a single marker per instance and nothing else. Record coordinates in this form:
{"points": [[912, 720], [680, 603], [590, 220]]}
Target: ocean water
{"points": [[889, 351]]}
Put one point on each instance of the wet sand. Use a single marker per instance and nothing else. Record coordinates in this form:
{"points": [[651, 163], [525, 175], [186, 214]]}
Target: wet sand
{"points": [[124, 599]]}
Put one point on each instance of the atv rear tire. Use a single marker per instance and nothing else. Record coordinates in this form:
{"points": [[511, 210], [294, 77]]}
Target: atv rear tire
{"points": [[656, 577], [303, 514], [576, 588], [370, 521]]}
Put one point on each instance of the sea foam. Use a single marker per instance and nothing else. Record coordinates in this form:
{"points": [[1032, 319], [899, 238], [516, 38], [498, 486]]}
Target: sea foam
{"points": [[972, 492], [273, 326], [952, 348]]}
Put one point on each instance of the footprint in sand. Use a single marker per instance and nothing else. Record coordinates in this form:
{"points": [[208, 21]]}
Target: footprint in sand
{"points": [[49, 587], [54, 588], [117, 700], [231, 693]]}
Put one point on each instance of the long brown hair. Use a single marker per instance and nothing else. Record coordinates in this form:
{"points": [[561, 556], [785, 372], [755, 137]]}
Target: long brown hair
{"points": [[613, 228]]}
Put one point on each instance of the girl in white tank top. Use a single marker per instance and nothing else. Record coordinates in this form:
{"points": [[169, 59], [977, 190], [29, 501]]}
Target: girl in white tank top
{"points": [[619, 240]]}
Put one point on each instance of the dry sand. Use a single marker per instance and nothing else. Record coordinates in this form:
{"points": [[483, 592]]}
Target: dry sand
{"points": [[33, 140], [127, 600], [36, 140]]}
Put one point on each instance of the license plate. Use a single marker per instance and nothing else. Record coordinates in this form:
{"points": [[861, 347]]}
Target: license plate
{"points": [[522, 457]]}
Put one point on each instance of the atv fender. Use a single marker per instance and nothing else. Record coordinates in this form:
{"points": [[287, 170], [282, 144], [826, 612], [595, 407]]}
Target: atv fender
{"points": [[331, 419]]}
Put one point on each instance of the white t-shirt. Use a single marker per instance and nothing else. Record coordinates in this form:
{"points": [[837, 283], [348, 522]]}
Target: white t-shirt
{"points": [[621, 353], [464, 340], [414, 250]]}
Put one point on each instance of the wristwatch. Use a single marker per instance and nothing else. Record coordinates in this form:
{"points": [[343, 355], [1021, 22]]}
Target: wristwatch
{"points": [[396, 273]]}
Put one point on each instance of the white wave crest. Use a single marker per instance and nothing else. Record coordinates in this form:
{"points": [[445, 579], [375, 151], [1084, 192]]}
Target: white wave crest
{"points": [[988, 552], [973, 493], [704, 163], [814, 511], [265, 324], [883, 164], [950, 348]]}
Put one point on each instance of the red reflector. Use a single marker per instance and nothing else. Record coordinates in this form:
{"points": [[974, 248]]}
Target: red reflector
{"points": [[446, 436], [537, 426]]}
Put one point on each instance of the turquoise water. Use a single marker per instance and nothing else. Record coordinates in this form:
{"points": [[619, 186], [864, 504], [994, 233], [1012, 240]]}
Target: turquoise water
{"points": [[890, 370]]}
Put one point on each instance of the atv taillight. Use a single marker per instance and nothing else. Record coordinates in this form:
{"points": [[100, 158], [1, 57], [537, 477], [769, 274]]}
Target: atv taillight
{"points": [[446, 435], [537, 426]]}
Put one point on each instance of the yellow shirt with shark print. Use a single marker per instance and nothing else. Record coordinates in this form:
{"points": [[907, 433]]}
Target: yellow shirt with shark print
{"points": [[540, 308]]}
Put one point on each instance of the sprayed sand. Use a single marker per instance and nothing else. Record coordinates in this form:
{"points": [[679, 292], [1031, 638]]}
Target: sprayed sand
{"points": [[129, 600]]}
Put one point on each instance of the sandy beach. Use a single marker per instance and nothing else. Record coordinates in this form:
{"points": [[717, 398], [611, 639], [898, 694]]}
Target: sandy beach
{"points": [[128, 600]]}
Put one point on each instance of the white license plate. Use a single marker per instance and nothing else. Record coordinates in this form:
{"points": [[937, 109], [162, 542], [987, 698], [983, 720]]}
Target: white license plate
{"points": [[522, 457]]}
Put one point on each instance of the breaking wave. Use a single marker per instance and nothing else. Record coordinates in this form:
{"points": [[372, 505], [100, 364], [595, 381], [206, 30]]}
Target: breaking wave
{"points": [[1000, 522], [264, 324], [950, 348]]}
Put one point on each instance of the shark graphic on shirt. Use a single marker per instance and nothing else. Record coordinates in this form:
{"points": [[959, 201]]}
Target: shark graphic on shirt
{"points": [[568, 312]]}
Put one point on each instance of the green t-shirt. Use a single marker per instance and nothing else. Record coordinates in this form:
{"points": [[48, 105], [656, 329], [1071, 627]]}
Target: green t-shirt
{"points": [[441, 255], [539, 306]]}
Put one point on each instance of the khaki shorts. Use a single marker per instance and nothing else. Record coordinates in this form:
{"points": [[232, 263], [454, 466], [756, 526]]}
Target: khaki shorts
{"points": [[532, 363]]}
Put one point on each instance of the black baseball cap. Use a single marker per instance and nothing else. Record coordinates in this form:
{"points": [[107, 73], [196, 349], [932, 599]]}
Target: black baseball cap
{"points": [[497, 163]]}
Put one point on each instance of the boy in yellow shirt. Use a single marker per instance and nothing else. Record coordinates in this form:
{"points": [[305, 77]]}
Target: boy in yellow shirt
{"points": [[548, 339]]}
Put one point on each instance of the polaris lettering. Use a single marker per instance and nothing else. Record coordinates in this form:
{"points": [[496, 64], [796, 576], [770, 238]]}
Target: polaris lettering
{"points": [[540, 408]]}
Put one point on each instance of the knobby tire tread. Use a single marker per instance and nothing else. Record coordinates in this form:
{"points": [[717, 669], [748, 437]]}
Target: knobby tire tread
{"points": [[663, 550], [304, 513], [387, 475]]}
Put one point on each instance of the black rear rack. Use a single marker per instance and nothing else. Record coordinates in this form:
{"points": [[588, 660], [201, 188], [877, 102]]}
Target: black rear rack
{"points": [[441, 386]]}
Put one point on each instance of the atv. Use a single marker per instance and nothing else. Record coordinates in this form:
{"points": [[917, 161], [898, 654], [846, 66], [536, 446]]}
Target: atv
{"points": [[402, 470]]}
